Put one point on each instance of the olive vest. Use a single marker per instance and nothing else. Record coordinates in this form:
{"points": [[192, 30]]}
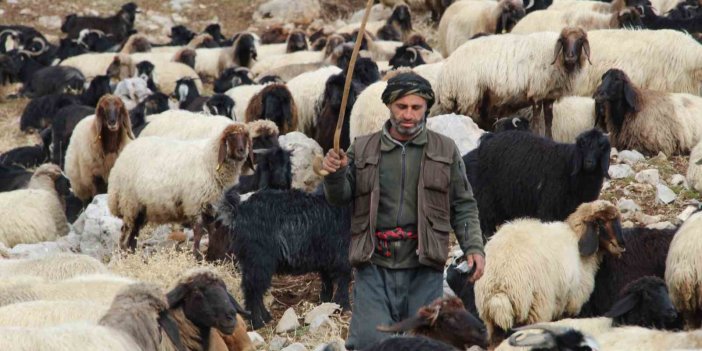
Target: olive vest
{"points": [[433, 204]]}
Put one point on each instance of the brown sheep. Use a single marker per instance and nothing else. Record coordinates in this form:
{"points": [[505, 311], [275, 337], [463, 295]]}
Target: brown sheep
{"points": [[94, 146], [275, 103]]}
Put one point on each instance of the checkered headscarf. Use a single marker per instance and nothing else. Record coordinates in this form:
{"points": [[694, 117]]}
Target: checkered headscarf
{"points": [[405, 84]]}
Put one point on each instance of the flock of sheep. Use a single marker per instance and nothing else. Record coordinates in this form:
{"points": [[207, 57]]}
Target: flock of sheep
{"points": [[535, 94]]}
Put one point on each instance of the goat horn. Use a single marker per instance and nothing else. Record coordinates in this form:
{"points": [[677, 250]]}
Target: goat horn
{"points": [[515, 121], [529, 5], [414, 52], [317, 166]]}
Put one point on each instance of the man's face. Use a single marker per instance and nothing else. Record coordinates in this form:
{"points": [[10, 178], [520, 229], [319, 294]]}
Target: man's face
{"points": [[407, 114]]}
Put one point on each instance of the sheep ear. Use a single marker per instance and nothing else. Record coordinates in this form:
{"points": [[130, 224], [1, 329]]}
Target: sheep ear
{"points": [[126, 122], [588, 243], [405, 325], [586, 49], [557, 50], [623, 306], [250, 158], [166, 322], [97, 123], [238, 307], [630, 96], [176, 296], [222, 155], [576, 162]]}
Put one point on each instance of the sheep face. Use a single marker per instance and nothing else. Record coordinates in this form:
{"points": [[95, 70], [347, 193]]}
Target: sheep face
{"points": [[185, 88], [275, 168], [512, 12], [220, 104], [206, 302], [644, 302], [602, 229], [233, 77], [570, 47], [235, 144], [406, 56], [112, 115], [145, 70], [592, 155], [215, 30], [245, 50], [629, 18], [180, 35], [402, 16], [155, 103], [614, 98], [446, 320], [332, 42], [297, 41]]}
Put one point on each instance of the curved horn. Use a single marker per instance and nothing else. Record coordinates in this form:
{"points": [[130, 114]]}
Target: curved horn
{"points": [[529, 5], [515, 122], [414, 53]]}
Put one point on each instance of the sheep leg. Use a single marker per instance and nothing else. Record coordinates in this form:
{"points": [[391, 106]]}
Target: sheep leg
{"points": [[255, 282], [197, 237], [341, 296], [100, 185], [130, 233], [537, 122], [485, 112], [325, 295], [548, 116]]}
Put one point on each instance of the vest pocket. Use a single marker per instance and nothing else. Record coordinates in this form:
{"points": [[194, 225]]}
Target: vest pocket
{"points": [[361, 241], [436, 240]]}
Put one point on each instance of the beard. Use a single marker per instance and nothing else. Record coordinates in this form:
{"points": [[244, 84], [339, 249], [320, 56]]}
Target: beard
{"points": [[407, 131]]}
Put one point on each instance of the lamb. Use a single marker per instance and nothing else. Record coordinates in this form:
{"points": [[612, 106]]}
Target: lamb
{"points": [[555, 20], [682, 272], [305, 222], [52, 267], [628, 113], [145, 71], [306, 90], [548, 267], [644, 47], [497, 89], [694, 169], [34, 214], [213, 164], [132, 91], [465, 19], [570, 174], [95, 144], [445, 320], [274, 102], [185, 125], [304, 151]]}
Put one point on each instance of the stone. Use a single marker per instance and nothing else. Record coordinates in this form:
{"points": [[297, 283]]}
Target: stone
{"points": [[687, 212], [50, 22], [664, 194], [613, 153], [648, 176], [295, 347], [630, 157], [660, 157], [678, 180], [286, 11], [627, 224], [646, 219], [288, 322], [26, 12], [326, 309], [336, 345], [606, 185], [628, 206], [98, 230], [277, 343], [321, 324], [661, 225], [620, 171], [256, 339]]}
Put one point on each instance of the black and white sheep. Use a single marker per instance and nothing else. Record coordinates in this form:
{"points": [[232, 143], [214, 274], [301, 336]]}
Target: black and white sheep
{"points": [[188, 96], [220, 105], [62, 127], [308, 235], [153, 104], [233, 77], [118, 25], [274, 102], [54, 80], [516, 174]]}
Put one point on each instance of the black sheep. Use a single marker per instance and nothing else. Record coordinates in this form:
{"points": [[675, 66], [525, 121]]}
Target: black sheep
{"points": [[215, 30], [145, 71], [69, 48], [232, 77], [275, 103], [327, 113], [244, 49], [516, 174], [400, 22], [460, 283], [645, 303], [220, 105], [25, 156], [31, 42], [13, 178], [188, 96], [273, 171], [180, 35], [65, 120], [118, 25], [26, 66], [645, 255], [365, 73], [287, 232], [511, 123], [153, 104], [652, 21]]}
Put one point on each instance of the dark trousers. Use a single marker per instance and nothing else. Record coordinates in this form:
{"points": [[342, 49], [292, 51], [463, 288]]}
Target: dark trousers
{"points": [[384, 296]]}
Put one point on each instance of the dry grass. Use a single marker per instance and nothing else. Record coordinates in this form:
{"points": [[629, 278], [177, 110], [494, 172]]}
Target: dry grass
{"points": [[10, 134]]}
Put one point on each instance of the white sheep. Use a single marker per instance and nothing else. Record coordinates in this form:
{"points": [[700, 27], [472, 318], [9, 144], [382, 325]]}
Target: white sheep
{"points": [[694, 169], [304, 151], [95, 64], [369, 112], [592, 327], [464, 19], [52, 267], [585, 6], [42, 313], [538, 272], [162, 180], [644, 339], [242, 95], [184, 125], [464, 132], [572, 115], [34, 214], [516, 71], [639, 54], [266, 64], [683, 271], [95, 144], [168, 73], [306, 90], [430, 71], [100, 288], [555, 20], [72, 336]]}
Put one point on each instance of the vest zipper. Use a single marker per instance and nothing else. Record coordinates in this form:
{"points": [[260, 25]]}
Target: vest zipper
{"points": [[402, 186]]}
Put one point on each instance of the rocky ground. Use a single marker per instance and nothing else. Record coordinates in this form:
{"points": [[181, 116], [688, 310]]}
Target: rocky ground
{"points": [[649, 191]]}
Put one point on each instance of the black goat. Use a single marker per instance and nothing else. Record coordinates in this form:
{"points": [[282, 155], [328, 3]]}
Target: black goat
{"points": [[645, 255], [29, 41], [180, 35], [327, 112], [69, 48], [653, 21], [65, 120], [97, 41], [215, 30], [516, 174], [40, 112], [118, 25], [273, 171], [145, 70], [153, 104], [13, 178], [25, 156], [54, 80], [232, 77], [188, 96], [645, 303], [220, 105], [26, 66], [511, 123], [307, 235]]}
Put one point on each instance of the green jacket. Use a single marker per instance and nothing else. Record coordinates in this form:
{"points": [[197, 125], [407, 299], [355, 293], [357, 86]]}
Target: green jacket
{"points": [[399, 170]]}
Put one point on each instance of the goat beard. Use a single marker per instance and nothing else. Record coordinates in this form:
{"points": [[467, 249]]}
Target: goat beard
{"points": [[408, 132]]}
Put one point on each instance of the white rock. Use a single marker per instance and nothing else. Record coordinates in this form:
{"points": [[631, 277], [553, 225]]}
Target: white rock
{"points": [[26, 12], [295, 347], [326, 309], [277, 343], [50, 22], [661, 225], [606, 185], [286, 11], [627, 224], [628, 206], [613, 153], [664, 194], [620, 171], [99, 231], [630, 157], [37, 250], [686, 213], [256, 339], [2, 12], [288, 322], [178, 18], [646, 219], [679, 179], [661, 156], [322, 324], [648, 176], [91, 12]]}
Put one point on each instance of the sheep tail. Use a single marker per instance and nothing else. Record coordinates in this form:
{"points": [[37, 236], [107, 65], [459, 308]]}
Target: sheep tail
{"points": [[499, 310]]}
